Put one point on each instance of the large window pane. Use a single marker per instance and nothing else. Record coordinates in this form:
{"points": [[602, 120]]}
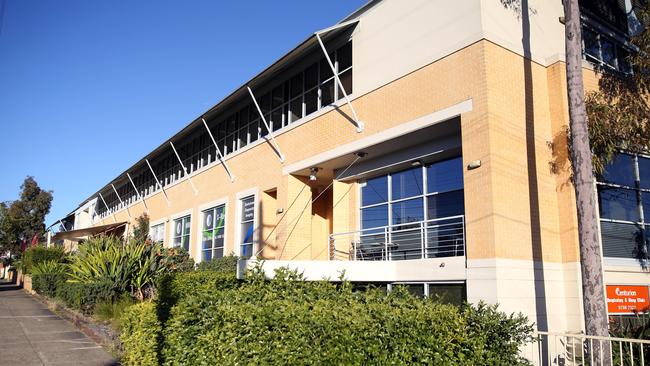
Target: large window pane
{"points": [[445, 205], [327, 93], [311, 101], [645, 199], [407, 183], [375, 216], [346, 80], [644, 172], [445, 175], [296, 86], [325, 69], [618, 204], [623, 240], [591, 48], [374, 190], [408, 211], [344, 56], [311, 76], [296, 109], [619, 171]]}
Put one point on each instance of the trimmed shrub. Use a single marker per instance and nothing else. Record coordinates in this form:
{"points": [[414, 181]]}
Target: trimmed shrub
{"points": [[227, 264], [84, 296], [176, 259], [173, 288], [290, 321], [36, 255], [46, 283], [139, 336]]}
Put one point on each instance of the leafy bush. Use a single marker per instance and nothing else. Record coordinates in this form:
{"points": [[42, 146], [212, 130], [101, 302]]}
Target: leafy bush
{"points": [[128, 266], [46, 283], [291, 321], [47, 276], [112, 310], [36, 255], [173, 288], [85, 296], [176, 260], [226, 264], [139, 336]]}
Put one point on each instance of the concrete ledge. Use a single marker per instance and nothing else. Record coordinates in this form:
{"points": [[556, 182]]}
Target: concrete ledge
{"points": [[416, 270]]}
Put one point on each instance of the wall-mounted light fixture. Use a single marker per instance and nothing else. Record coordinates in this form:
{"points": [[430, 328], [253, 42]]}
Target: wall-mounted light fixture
{"points": [[474, 164], [416, 163], [312, 173]]}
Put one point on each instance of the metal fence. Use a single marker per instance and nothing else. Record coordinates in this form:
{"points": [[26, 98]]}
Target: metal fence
{"points": [[443, 237], [578, 349]]}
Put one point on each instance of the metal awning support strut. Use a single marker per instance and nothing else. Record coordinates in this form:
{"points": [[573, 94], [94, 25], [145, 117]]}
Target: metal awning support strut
{"points": [[102, 197], [158, 182], [358, 122], [184, 168], [223, 161], [274, 143], [120, 198], [138, 192]]}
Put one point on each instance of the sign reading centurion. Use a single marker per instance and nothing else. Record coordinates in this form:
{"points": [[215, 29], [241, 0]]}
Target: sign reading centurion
{"points": [[625, 299]]}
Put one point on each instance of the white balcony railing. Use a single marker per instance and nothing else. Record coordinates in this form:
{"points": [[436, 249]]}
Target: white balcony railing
{"points": [[579, 349], [443, 237]]}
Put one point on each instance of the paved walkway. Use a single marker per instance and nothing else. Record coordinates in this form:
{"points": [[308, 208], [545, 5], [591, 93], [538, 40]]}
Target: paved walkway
{"points": [[30, 334]]}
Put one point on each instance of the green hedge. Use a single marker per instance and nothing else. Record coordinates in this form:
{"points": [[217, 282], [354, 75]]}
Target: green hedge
{"points": [[35, 255], [139, 336], [46, 284], [84, 296], [175, 287], [289, 321]]}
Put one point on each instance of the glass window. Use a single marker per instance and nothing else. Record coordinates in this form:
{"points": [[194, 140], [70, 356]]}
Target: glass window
{"points": [[408, 211], [407, 183], [445, 205], [247, 226], [327, 94], [445, 175], [311, 76], [213, 233], [346, 80], [374, 190], [311, 101], [447, 293], [590, 39], [296, 109], [182, 233], [619, 171], [618, 204], [375, 216], [157, 233], [621, 240], [645, 199], [296, 86], [644, 173], [344, 56], [325, 69], [608, 51], [278, 96]]}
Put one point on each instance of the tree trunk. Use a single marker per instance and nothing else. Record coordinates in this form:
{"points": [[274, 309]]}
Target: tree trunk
{"points": [[588, 233]]}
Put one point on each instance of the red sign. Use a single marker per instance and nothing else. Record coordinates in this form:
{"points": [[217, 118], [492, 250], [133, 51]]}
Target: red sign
{"points": [[625, 299]]}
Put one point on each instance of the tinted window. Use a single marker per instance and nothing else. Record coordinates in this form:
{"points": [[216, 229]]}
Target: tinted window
{"points": [[375, 190], [620, 171], [408, 211], [644, 172], [618, 204], [445, 175], [407, 183], [374, 216], [445, 204], [344, 56]]}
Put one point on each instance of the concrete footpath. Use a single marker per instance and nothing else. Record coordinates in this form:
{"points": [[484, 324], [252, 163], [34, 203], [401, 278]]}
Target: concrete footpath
{"points": [[30, 334]]}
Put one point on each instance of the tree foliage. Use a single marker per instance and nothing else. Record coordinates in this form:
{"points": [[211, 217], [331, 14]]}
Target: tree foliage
{"points": [[141, 228], [619, 112]]}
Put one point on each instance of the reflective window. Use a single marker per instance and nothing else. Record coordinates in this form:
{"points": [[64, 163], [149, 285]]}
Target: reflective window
{"points": [[620, 171], [157, 233], [408, 211], [618, 204], [247, 221], [445, 204], [407, 183], [182, 233], [644, 172], [374, 190], [212, 242], [375, 216], [445, 175]]}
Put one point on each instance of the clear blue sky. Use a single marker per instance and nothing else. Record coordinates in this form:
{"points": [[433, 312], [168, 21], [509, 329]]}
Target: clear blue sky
{"points": [[87, 88]]}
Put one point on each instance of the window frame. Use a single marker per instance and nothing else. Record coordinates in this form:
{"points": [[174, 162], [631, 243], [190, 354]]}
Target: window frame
{"points": [[158, 223], [172, 236], [240, 197], [208, 206]]}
